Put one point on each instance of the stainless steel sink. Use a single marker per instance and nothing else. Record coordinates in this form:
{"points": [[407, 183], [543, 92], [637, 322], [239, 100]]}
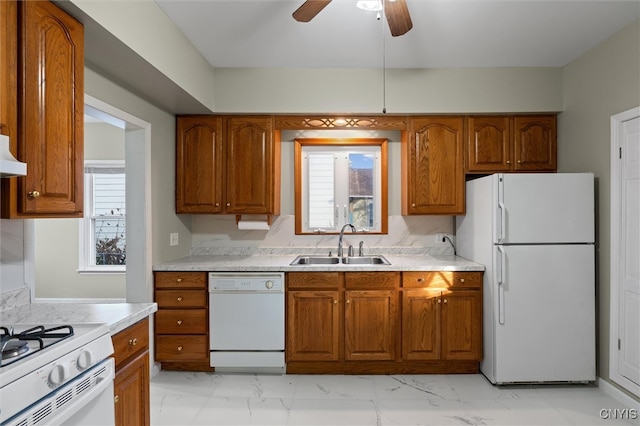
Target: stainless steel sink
{"points": [[355, 260], [315, 260], [366, 260]]}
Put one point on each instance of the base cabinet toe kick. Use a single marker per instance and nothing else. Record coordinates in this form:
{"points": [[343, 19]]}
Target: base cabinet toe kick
{"points": [[418, 322]]}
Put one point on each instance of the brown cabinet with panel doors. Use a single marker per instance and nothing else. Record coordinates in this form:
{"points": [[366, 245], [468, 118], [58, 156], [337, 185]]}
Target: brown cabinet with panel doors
{"points": [[519, 143], [383, 322], [227, 165], [182, 320], [40, 43], [131, 383], [432, 166]]}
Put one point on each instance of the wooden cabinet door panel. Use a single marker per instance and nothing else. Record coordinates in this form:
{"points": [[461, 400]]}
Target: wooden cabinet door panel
{"points": [[489, 144], [535, 143], [434, 166], [313, 326], [51, 111], [199, 165], [250, 172], [461, 325], [131, 389], [370, 325], [421, 324]]}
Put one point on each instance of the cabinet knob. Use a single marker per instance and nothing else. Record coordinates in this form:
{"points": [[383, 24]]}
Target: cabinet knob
{"points": [[228, 204], [508, 161], [461, 280], [217, 204], [335, 301], [439, 300], [179, 322], [34, 194], [348, 301], [179, 299], [133, 342], [116, 399], [445, 300], [519, 161], [413, 204], [179, 348], [179, 280], [420, 280]]}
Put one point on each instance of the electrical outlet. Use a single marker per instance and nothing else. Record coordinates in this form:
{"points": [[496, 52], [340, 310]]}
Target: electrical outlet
{"points": [[173, 239], [440, 238]]}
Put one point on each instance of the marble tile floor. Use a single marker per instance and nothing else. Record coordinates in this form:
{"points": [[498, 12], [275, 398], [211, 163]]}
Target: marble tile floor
{"points": [[185, 398]]}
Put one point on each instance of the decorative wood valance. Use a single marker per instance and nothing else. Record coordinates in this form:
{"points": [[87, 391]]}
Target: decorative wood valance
{"points": [[373, 122]]}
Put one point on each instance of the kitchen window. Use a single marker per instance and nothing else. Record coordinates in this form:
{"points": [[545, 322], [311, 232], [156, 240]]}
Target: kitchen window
{"points": [[340, 181], [103, 228]]}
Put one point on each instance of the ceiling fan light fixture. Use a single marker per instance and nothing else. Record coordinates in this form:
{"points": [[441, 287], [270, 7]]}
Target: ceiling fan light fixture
{"points": [[369, 5]]}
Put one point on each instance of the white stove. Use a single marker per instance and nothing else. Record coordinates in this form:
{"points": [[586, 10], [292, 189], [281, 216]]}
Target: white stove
{"points": [[48, 373]]}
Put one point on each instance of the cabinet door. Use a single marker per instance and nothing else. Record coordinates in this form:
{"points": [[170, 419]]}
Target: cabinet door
{"points": [[535, 143], [199, 165], [313, 326], [433, 167], [462, 325], [489, 144], [8, 70], [252, 158], [370, 325], [421, 324], [131, 389], [51, 112]]}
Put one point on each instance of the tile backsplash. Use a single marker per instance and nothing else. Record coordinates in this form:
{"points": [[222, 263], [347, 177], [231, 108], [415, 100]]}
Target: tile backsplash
{"points": [[411, 235]]}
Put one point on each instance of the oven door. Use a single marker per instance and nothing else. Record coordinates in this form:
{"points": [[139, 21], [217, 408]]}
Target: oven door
{"points": [[86, 400]]}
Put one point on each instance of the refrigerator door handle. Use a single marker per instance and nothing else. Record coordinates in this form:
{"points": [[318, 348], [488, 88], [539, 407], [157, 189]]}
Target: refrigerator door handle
{"points": [[502, 222], [500, 270]]}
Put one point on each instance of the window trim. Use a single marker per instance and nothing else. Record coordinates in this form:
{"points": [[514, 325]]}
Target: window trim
{"points": [[299, 143], [84, 231]]}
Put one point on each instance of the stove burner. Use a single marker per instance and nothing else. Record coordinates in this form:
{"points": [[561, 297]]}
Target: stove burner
{"points": [[14, 348], [13, 344]]}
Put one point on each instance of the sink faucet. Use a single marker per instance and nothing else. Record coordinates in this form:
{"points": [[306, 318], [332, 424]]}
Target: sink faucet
{"points": [[353, 229]]}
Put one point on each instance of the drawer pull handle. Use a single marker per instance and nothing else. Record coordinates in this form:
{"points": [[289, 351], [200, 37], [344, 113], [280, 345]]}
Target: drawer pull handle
{"points": [[133, 342], [420, 280], [179, 322], [180, 298], [461, 280], [116, 399], [179, 348]]}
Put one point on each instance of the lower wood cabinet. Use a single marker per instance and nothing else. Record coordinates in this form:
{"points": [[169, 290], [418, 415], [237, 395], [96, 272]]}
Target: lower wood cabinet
{"points": [[131, 383], [182, 321], [384, 322]]}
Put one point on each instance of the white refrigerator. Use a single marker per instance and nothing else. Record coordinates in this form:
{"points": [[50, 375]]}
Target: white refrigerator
{"points": [[535, 235]]}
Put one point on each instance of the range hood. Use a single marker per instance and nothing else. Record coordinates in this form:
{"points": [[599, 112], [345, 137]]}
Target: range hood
{"points": [[9, 166]]}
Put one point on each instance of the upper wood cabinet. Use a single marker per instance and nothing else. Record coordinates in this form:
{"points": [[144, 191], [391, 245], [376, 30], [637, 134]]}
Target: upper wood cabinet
{"points": [[50, 102], [433, 166], [228, 165], [511, 144]]}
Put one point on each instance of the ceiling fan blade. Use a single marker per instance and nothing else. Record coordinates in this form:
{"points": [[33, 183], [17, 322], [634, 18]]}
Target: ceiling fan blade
{"points": [[398, 17], [309, 9]]}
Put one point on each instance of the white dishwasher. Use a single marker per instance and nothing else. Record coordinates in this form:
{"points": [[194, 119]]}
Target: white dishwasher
{"points": [[246, 322]]}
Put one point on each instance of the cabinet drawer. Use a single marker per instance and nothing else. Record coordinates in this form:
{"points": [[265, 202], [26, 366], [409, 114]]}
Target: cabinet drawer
{"points": [[372, 280], [182, 348], [441, 279], [131, 341], [181, 321], [181, 280], [313, 280], [181, 298]]}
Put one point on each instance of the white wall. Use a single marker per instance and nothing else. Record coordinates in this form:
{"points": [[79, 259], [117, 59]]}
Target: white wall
{"points": [[601, 83]]}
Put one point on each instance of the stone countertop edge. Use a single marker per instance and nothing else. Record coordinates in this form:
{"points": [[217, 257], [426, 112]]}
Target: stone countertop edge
{"points": [[117, 316], [281, 263]]}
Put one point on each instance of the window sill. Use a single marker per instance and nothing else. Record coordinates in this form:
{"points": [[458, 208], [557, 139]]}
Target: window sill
{"points": [[103, 270]]}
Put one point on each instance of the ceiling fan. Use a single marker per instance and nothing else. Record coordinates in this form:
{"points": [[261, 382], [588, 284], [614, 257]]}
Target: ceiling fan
{"points": [[396, 12]]}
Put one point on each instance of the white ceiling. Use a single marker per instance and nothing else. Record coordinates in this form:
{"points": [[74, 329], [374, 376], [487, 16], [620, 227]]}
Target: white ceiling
{"points": [[446, 33]]}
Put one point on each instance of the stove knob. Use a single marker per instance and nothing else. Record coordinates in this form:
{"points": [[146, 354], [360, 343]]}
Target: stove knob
{"points": [[84, 360], [58, 375]]}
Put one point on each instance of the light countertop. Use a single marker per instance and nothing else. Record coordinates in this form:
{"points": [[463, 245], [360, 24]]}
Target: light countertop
{"points": [[281, 263], [117, 316]]}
